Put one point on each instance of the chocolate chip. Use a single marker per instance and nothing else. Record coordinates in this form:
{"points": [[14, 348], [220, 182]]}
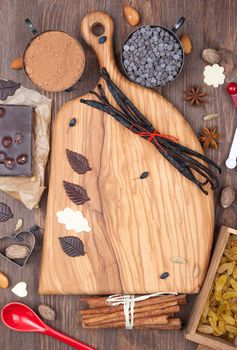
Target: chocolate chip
{"points": [[2, 112], [150, 50], [102, 39], [2, 157], [22, 159], [6, 141], [18, 138], [164, 275], [9, 163]]}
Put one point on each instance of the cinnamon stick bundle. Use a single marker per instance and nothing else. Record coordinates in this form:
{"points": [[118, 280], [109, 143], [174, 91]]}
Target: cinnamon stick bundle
{"points": [[156, 312]]}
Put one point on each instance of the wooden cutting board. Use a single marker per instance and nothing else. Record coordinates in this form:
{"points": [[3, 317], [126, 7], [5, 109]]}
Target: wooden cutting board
{"points": [[138, 226]]}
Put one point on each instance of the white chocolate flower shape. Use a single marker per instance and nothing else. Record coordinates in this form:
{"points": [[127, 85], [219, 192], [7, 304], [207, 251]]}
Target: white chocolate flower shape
{"points": [[73, 220], [214, 75]]}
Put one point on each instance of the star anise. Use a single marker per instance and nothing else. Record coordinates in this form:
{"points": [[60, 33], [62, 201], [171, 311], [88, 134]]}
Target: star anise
{"points": [[208, 138], [196, 96]]}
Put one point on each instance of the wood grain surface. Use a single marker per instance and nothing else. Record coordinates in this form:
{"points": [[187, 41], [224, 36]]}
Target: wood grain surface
{"points": [[137, 226], [210, 24]]}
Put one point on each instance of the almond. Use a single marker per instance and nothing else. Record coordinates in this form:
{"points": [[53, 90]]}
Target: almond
{"points": [[4, 281], [131, 15], [186, 43], [17, 63]]}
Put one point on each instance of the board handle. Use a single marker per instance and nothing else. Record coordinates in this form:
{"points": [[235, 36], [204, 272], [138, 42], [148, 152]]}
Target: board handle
{"points": [[101, 43]]}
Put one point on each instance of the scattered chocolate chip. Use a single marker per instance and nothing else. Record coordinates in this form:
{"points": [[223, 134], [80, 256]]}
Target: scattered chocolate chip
{"points": [[144, 175], [2, 157], [6, 141], [9, 163], [2, 112], [18, 138], [22, 159], [102, 39], [72, 122], [164, 275]]}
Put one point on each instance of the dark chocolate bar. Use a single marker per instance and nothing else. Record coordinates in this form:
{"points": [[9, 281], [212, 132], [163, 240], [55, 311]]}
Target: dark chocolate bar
{"points": [[15, 140]]}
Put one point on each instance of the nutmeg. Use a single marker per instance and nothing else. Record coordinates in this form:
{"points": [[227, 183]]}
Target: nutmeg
{"points": [[211, 56], [227, 196], [16, 251], [47, 312]]}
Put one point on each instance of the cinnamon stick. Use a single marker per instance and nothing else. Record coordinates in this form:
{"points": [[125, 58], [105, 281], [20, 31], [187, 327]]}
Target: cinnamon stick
{"points": [[97, 302], [173, 324], [119, 316], [138, 308], [148, 321]]}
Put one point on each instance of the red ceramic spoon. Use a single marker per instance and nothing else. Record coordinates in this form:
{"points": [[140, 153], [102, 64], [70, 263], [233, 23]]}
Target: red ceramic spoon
{"points": [[20, 317]]}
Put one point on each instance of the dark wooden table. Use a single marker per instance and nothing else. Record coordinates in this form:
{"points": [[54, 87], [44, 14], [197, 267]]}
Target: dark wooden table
{"points": [[210, 23]]}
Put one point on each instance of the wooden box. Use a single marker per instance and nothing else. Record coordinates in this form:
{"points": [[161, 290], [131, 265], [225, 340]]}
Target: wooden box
{"points": [[208, 341]]}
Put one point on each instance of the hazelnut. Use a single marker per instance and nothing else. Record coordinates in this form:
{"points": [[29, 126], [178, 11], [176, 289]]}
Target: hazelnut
{"points": [[9, 163], [22, 159], [7, 141], [2, 157], [18, 138]]}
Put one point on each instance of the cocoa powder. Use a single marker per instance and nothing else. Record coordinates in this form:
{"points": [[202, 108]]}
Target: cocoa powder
{"points": [[54, 61]]}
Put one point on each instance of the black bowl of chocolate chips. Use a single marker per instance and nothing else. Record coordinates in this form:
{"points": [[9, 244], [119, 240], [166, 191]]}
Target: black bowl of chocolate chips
{"points": [[152, 55]]}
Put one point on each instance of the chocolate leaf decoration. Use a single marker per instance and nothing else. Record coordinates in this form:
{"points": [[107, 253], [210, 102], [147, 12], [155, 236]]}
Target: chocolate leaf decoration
{"points": [[76, 193], [72, 246], [7, 88], [78, 162], [5, 212], [144, 175]]}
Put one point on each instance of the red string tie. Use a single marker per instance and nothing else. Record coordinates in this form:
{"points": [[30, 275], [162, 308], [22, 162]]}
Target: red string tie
{"points": [[152, 135]]}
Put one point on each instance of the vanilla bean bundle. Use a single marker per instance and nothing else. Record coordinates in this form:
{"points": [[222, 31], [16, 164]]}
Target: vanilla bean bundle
{"points": [[185, 160]]}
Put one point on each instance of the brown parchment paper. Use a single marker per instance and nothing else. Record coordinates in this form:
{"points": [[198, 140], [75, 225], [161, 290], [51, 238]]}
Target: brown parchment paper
{"points": [[29, 189]]}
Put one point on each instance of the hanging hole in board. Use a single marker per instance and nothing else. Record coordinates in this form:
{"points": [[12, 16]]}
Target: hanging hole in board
{"points": [[97, 29]]}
